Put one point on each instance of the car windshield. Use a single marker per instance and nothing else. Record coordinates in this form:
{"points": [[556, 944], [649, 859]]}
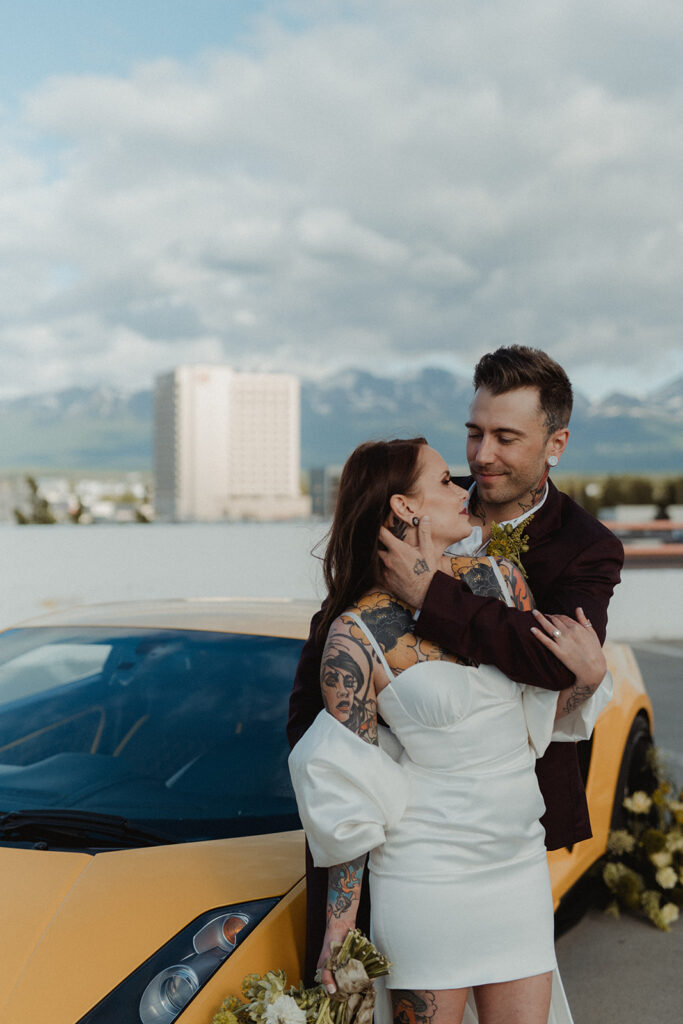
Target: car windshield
{"points": [[183, 731]]}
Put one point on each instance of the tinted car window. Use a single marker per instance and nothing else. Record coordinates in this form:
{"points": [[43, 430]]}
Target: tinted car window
{"points": [[180, 729]]}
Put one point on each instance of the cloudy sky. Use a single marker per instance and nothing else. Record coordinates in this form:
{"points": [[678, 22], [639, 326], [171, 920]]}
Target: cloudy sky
{"points": [[308, 186]]}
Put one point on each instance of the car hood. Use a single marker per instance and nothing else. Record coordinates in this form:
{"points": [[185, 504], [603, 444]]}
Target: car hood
{"points": [[75, 925]]}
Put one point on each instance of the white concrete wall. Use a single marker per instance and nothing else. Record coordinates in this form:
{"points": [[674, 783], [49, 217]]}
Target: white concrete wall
{"points": [[647, 605], [51, 567]]}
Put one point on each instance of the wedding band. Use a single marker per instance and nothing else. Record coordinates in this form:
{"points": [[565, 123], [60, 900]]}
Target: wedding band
{"points": [[556, 633]]}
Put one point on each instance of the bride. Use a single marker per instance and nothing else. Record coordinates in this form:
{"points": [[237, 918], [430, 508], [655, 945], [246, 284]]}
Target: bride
{"points": [[445, 800]]}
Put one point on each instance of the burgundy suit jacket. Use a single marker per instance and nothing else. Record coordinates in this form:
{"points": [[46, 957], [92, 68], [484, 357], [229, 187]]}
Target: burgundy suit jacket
{"points": [[573, 561]]}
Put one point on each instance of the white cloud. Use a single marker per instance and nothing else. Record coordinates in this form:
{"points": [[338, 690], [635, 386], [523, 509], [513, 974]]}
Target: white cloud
{"points": [[407, 181]]}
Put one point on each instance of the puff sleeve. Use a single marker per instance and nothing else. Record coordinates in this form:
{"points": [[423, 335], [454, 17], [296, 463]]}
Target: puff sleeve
{"points": [[348, 791], [540, 707]]}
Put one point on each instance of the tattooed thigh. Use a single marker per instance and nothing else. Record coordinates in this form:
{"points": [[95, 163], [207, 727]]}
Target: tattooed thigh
{"points": [[421, 1006]]}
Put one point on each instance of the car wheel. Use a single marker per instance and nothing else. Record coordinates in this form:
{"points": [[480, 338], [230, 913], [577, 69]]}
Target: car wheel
{"points": [[635, 771]]}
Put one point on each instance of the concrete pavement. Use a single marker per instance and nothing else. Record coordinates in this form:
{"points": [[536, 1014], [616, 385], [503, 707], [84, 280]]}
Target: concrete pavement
{"points": [[622, 972]]}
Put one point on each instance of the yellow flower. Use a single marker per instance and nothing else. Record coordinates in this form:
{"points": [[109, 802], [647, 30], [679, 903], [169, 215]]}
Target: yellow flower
{"points": [[669, 913], [224, 1017], [626, 884], [661, 859], [509, 542], [249, 981], [674, 841], [676, 807], [226, 1013], [660, 794], [638, 803], [620, 841], [666, 878]]}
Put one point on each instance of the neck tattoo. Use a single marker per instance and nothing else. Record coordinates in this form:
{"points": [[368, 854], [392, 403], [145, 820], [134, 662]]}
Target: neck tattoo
{"points": [[475, 507], [535, 494], [398, 528]]}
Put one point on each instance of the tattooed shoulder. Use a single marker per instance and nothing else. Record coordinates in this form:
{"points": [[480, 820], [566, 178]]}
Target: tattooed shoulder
{"points": [[386, 618], [391, 623]]}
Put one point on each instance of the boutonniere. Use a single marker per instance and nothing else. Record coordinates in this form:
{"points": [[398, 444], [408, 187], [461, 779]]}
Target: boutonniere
{"points": [[509, 542]]}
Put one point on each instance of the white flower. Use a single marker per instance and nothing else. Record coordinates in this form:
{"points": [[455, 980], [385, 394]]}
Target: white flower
{"points": [[639, 803], [272, 985], [669, 913], [661, 859], [620, 841], [666, 878], [284, 1010], [674, 841]]}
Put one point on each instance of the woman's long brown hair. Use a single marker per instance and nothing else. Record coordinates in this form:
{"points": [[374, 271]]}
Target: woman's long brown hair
{"points": [[372, 474]]}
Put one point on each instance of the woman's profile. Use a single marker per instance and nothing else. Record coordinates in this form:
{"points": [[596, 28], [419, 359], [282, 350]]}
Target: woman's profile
{"points": [[443, 795]]}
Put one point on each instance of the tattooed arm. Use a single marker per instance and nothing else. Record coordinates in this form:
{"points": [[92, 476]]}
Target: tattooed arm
{"points": [[575, 643], [348, 691], [481, 579], [346, 680]]}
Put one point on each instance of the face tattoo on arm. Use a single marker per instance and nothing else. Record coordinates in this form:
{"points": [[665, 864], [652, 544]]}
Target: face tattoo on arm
{"points": [[345, 683]]}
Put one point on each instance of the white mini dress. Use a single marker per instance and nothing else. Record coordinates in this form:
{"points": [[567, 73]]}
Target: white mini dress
{"points": [[448, 807]]}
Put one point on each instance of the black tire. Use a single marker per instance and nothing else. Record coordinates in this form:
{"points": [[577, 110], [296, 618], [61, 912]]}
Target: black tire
{"points": [[635, 771]]}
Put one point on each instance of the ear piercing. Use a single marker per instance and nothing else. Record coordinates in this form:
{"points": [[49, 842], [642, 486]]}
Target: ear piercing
{"points": [[416, 521], [553, 460]]}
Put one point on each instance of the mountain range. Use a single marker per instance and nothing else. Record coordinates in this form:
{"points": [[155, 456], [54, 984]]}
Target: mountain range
{"points": [[103, 428]]}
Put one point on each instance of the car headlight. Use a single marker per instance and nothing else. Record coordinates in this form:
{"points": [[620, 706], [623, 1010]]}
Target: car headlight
{"points": [[160, 989]]}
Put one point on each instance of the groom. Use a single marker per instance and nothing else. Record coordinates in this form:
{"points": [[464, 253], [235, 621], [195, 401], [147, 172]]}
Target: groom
{"points": [[517, 430]]}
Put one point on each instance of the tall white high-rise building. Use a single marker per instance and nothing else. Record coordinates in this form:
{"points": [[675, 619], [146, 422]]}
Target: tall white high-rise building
{"points": [[227, 445]]}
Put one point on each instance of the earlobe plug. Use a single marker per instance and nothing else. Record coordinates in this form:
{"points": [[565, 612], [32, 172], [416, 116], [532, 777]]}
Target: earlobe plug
{"points": [[553, 460], [416, 521]]}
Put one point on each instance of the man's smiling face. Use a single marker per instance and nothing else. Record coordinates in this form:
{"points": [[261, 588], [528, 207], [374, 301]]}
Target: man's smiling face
{"points": [[508, 448]]}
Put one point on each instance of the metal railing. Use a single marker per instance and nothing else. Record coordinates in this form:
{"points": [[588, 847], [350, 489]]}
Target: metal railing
{"points": [[663, 545]]}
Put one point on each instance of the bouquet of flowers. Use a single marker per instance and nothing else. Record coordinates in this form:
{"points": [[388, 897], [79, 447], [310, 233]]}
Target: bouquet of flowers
{"points": [[644, 865], [355, 963]]}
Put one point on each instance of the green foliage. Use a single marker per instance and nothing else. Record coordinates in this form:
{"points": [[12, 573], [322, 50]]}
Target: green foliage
{"points": [[594, 493], [39, 512]]}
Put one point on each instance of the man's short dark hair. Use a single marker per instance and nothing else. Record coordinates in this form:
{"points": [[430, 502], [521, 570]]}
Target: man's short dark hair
{"points": [[520, 367]]}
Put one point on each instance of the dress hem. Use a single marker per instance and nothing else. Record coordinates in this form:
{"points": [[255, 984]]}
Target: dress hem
{"points": [[422, 985]]}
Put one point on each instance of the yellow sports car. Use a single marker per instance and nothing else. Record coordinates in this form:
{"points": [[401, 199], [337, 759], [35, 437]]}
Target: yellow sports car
{"points": [[150, 850]]}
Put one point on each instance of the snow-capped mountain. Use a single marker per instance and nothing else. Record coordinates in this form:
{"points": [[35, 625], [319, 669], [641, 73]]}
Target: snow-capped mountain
{"points": [[106, 428]]}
